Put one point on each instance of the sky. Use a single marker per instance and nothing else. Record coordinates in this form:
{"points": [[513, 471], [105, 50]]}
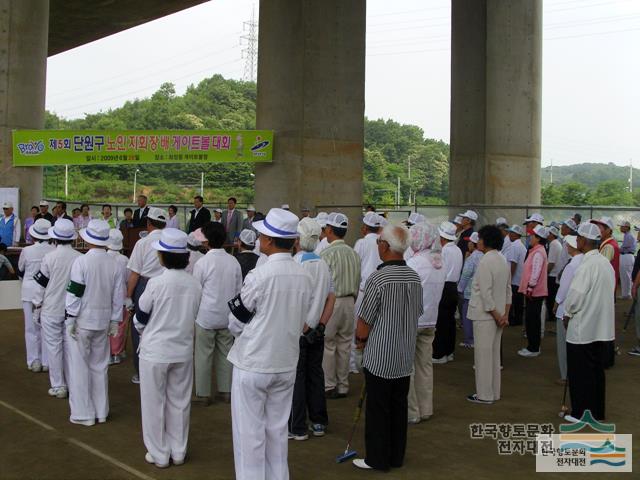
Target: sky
{"points": [[590, 100]]}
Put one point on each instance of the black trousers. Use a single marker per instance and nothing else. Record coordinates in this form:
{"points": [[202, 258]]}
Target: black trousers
{"points": [[552, 288], [533, 322], [308, 391], [516, 312], [385, 428], [444, 342], [135, 336], [585, 373]]}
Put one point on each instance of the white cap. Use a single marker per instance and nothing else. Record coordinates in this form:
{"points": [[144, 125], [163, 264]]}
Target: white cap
{"points": [[279, 223], [517, 229], [447, 230], [457, 220], [96, 233], [115, 239], [541, 231], [589, 230], [63, 230], [7, 205], [383, 221], [606, 221], [40, 229], [501, 221], [535, 217], [251, 208], [308, 227], [554, 231], [44, 203], [625, 223], [570, 222], [474, 237], [338, 220], [248, 237], [470, 214], [571, 240], [157, 214], [171, 240], [219, 210], [372, 219], [285, 206], [321, 218], [194, 240], [415, 218]]}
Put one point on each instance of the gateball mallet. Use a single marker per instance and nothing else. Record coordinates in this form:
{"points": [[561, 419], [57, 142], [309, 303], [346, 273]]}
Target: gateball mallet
{"points": [[348, 453]]}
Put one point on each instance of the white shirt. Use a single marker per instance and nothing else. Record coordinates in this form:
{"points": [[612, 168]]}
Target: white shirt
{"points": [[220, 277], [432, 281], [29, 263], [17, 230], [506, 243], [172, 222], [565, 282], [122, 261], [56, 266], [367, 249], [194, 256], [589, 303], [322, 244], [322, 282], [281, 294], [516, 254], [172, 300], [555, 257], [452, 260], [101, 301], [144, 258]]}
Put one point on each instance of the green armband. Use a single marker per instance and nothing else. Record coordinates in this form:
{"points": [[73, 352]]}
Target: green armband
{"points": [[76, 289]]}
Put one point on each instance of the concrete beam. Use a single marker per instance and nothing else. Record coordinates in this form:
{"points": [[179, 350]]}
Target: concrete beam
{"points": [[311, 69], [496, 90], [23, 66]]}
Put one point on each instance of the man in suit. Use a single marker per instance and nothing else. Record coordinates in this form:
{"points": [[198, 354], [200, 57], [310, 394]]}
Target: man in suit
{"points": [[232, 221], [140, 214], [200, 216]]}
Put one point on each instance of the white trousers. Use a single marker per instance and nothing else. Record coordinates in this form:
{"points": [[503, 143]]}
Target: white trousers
{"points": [[486, 356], [260, 407], [87, 375], [626, 268], [165, 398], [53, 333], [33, 337]]}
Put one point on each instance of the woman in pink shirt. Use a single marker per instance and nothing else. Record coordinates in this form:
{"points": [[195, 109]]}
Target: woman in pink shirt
{"points": [[533, 285]]}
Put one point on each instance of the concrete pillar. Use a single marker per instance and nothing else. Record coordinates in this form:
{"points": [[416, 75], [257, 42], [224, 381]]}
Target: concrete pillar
{"points": [[311, 92], [496, 89], [24, 31]]}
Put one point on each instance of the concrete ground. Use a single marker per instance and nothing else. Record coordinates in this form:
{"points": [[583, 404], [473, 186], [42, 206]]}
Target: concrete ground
{"points": [[38, 442]]}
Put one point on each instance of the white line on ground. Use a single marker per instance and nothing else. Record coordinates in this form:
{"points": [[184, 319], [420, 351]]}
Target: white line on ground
{"points": [[80, 444]]}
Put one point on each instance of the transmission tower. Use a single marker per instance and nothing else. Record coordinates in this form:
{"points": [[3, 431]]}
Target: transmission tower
{"points": [[250, 52]]}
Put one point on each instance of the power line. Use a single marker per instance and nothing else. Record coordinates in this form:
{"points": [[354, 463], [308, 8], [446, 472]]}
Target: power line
{"points": [[250, 52]]}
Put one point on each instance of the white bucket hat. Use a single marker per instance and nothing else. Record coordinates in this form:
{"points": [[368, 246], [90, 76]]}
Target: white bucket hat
{"points": [[40, 229], [470, 214], [535, 217], [194, 240], [571, 224], [457, 220], [500, 221], [158, 214], [572, 241], [96, 233], [517, 229], [554, 231], [447, 230], [278, 223], [338, 220], [251, 208], [248, 237], [63, 230], [474, 237], [415, 218], [171, 240], [115, 240], [322, 219], [541, 231], [589, 230], [606, 221]]}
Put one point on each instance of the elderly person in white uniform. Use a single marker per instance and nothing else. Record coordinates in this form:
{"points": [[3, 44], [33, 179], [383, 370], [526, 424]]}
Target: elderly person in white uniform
{"points": [[268, 317], [166, 316]]}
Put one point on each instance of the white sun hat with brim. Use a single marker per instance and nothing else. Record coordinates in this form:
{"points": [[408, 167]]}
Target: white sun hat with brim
{"points": [[44, 203], [415, 218], [248, 237], [171, 240], [554, 231], [473, 238], [321, 218], [501, 221], [251, 208], [589, 231], [115, 240], [447, 230], [158, 214], [63, 230], [40, 229], [535, 217], [457, 220], [541, 231], [517, 229], [278, 223], [470, 214], [571, 224], [96, 233], [572, 241], [606, 221], [193, 240]]}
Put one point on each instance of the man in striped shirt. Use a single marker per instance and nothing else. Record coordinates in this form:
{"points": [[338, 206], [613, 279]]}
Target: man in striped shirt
{"points": [[344, 264], [386, 340]]}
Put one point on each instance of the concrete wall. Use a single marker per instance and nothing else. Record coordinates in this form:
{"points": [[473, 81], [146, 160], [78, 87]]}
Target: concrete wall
{"points": [[496, 89], [311, 92], [24, 27]]}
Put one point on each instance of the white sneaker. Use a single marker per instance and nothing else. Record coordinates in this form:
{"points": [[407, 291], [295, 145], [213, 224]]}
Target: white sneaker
{"points": [[45, 368], [413, 421], [439, 360], [52, 392], [527, 354], [135, 379], [62, 392], [86, 423], [149, 459], [298, 438], [177, 461], [450, 358], [36, 366], [102, 420], [360, 463]]}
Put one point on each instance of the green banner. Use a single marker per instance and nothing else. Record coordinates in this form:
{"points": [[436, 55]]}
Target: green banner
{"points": [[111, 147]]}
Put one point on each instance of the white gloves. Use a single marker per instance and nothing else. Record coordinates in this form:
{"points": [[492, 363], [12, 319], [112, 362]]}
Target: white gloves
{"points": [[37, 310], [138, 326], [357, 357], [128, 303], [71, 329], [113, 328]]}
